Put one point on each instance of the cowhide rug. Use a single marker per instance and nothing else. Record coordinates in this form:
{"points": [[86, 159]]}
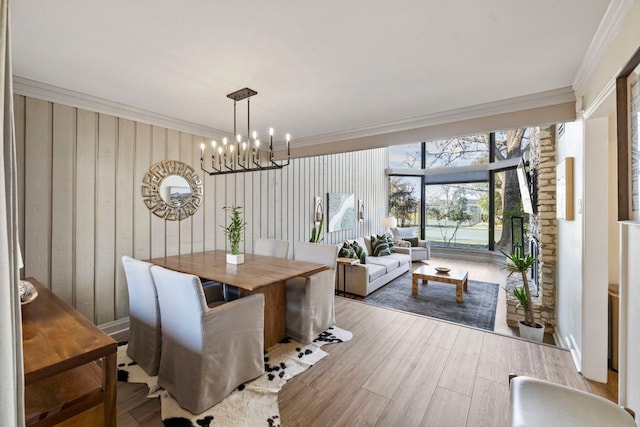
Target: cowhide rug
{"points": [[254, 403]]}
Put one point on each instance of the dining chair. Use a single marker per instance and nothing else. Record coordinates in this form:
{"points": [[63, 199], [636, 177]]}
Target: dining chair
{"points": [[145, 337], [271, 247], [206, 352], [310, 300]]}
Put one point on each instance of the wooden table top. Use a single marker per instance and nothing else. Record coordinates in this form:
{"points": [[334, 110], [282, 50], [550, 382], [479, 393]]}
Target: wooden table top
{"points": [[433, 274], [55, 337], [256, 272]]}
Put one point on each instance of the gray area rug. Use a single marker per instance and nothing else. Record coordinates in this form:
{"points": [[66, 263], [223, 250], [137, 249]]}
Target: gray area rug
{"points": [[439, 300]]}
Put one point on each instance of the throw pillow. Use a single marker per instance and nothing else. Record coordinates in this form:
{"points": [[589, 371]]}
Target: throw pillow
{"points": [[379, 246], [412, 240], [346, 251], [360, 253], [392, 246]]}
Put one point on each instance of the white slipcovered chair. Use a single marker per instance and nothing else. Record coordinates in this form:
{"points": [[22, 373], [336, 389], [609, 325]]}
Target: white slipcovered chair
{"points": [[310, 300], [539, 403], [419, 252], [145, 336], [271, 247], [207, 350]]}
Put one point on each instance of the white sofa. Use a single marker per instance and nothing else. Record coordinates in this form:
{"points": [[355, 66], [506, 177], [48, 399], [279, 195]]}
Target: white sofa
{"points": [[362, 279], [422, 252]]}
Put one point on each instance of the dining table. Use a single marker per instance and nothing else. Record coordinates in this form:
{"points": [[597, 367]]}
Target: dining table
{"points": [[258, 274]]}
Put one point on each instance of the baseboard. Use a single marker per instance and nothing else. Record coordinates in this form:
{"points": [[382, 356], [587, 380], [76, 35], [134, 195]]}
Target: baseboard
{"points": [[116, 327]]}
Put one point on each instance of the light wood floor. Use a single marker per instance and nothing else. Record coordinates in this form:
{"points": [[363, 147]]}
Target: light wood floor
{"points": [[401, 369]]}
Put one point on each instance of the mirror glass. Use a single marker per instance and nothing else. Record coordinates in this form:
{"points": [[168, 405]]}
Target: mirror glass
{"points": [[175, 190], [172, 190]]}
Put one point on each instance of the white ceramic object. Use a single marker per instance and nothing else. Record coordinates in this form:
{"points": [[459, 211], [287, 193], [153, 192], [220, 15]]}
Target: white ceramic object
{"points": [[531, 333], [235, 259]]}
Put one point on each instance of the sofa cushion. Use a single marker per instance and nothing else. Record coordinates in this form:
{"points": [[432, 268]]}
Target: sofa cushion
{"points": [[389, 262], [400, 233], [375, 271], [401, 258], [412, 240]]}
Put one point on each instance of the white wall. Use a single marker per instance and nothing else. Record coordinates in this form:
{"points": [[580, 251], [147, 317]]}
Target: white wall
{"points": [[80, 178], [570, 239], [599, 90], [595, 275]]}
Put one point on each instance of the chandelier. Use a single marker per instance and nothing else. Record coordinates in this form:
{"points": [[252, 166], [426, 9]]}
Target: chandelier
{"points": [[243, 154]]}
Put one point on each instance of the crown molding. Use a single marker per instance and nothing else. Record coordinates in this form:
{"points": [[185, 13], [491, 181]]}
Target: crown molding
{"points": [[44, 91], [47, 92], [604, 36], [603, 96], [526, 102]]}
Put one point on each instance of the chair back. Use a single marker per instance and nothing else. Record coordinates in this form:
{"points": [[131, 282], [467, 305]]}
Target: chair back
{"points": [[271, 247], [182, 305], [318, 253], [145, 337]]}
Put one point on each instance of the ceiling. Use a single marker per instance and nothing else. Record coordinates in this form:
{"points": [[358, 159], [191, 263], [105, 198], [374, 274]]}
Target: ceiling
{"points": [[321, 69]]}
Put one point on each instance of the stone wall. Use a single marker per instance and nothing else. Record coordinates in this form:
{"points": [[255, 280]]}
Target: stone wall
{"points": [[542, 226]]}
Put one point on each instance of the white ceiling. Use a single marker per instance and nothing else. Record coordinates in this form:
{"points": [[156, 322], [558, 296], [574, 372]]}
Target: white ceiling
{"points": [[320, 69]]}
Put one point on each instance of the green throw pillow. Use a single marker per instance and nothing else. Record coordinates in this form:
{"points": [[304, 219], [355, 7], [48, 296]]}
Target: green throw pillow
{"points": [[360, 252], [392, 246], [412, 240], [379, 246], [346, 251]]}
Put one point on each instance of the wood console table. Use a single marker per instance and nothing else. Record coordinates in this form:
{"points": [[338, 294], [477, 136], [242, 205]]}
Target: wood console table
{"points": [[69, 365]]}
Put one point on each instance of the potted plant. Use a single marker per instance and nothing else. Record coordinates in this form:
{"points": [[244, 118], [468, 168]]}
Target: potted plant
{"points": [[234, 232], [316, 231], [518, 262]]}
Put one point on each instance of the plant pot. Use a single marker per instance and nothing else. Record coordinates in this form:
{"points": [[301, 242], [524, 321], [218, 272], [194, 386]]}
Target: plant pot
{"points": [[235, 259], [531, 333]]}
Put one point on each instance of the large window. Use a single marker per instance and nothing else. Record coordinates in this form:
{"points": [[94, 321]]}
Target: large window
{"points": [[456, 215], [462, 192]]}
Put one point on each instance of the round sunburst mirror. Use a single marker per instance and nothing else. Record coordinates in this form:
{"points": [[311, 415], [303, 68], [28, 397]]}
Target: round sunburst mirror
{"points": [[172, 190]]}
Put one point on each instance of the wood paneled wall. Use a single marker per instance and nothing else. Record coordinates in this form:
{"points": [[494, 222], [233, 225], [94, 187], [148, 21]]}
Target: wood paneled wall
{"points": [[81, 205]]}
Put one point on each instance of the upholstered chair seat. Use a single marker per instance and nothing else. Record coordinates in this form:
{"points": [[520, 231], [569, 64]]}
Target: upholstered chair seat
{"points": [[310, 300], [206, 352], [536, 402], [145, 336]]}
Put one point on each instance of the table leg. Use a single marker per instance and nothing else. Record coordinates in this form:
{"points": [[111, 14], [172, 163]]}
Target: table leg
{"points": [[414, 284], [459, 292], [110, 384], [466, 283], [275, 311], [344, 280]]}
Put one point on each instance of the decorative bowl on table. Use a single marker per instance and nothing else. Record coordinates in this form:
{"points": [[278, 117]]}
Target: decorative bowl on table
{"points": [[443, 270], [28, 292]]}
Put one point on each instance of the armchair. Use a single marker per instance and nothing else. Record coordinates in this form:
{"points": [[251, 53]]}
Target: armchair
{"points": [[418, 252], [206, 352], [310, 300]]}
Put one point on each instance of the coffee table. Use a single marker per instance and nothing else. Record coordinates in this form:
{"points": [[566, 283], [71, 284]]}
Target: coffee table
{"points": [[454, 277]]}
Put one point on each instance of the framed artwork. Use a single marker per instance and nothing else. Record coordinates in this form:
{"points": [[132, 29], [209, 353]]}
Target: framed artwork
{"points": [[564, 189], [341, 211], [628, 121]]}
